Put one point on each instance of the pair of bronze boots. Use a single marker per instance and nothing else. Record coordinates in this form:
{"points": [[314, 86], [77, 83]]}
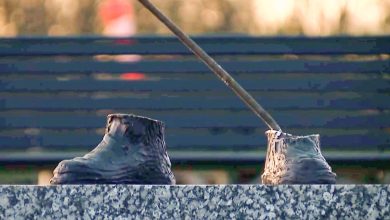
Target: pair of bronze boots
{"points": [[133, 151]]}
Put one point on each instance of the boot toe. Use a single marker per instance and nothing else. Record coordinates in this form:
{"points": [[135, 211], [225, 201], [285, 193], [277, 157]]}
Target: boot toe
{"points": [[73, 178], [73, 171], [70, 166]]}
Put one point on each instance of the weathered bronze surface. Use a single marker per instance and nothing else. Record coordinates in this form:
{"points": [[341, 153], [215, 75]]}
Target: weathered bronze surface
{"points": [[132, 151], [295, 160]]}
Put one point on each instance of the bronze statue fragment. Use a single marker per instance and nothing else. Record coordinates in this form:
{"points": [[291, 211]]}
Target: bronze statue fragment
{"points": [[132, 151], [295, 160]]}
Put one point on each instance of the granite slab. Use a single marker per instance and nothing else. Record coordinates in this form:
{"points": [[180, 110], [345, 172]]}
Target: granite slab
{"points": [[195, 202]]}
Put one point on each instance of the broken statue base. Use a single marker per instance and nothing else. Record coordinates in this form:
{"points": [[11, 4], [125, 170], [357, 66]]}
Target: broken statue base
{"points": [[295, 160]]}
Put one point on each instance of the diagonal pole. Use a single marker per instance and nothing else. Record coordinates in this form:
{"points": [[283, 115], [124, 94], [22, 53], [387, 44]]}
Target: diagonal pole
{"points": [[215, 67]]}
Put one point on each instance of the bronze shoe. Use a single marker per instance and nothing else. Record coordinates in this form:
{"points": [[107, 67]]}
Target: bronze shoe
{"points": [[295, 160], [132, 151]]}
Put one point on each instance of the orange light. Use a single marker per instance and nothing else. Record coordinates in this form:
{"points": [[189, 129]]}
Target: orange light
{"points": [[133, 76]]}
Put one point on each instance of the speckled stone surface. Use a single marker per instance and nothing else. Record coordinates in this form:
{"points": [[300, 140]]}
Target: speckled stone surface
{"points": [[195, 202]]}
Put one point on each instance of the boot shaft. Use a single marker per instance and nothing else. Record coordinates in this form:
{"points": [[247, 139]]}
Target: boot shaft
{"points": [[137, 130], [293, 147]]}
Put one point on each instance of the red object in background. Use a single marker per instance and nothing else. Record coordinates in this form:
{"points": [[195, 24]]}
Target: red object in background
{"points": [[111, 10], [118, 19], [133, 76], [124, 41]]}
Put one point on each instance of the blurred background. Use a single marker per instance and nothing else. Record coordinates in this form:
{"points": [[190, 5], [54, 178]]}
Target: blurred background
{"points": [[257, 17], [197, 17]]}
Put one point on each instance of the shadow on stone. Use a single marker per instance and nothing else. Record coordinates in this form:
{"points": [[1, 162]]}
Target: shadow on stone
{"points": [[295, 160], [132, 151]]}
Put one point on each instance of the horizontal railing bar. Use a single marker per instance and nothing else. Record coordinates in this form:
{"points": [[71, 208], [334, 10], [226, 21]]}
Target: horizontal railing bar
{"points": [[236, 44], [193, 66]]}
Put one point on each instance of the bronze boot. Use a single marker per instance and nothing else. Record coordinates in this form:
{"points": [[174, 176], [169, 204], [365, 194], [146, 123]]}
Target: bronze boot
{"points": [[132, 151], [295, 160]]}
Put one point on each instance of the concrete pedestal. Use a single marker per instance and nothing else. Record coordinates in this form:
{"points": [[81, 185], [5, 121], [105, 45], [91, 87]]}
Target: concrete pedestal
{"points": [[195, 202]]}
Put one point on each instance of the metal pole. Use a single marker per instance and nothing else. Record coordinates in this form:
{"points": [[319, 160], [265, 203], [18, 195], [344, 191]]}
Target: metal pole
{"points": [[213, 65]]}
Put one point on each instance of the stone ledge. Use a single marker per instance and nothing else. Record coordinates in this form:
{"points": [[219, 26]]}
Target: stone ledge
{"points": [[195, 202]]}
